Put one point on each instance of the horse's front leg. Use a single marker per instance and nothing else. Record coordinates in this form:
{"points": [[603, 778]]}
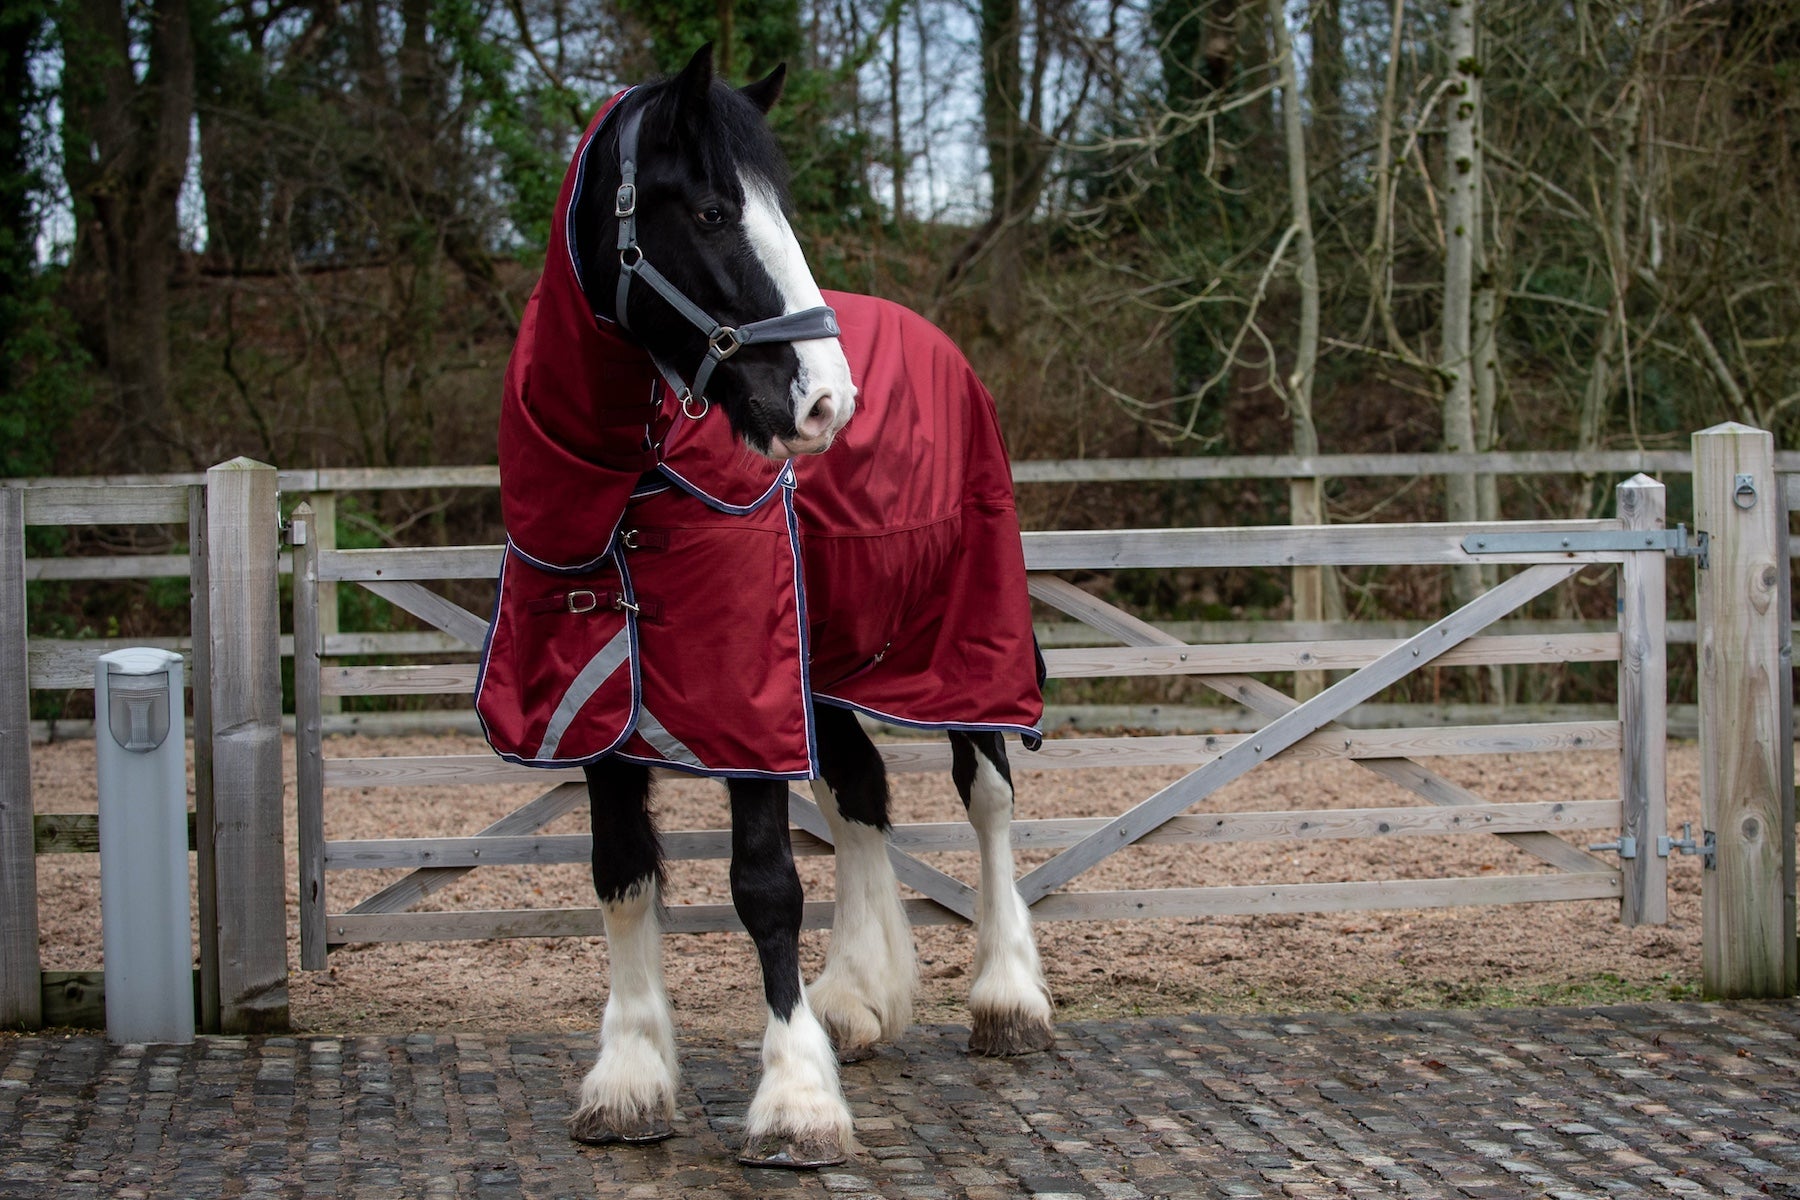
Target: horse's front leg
{"points": [[865, 993], [629, 1095], [1009, 1003], [798, 1117]]}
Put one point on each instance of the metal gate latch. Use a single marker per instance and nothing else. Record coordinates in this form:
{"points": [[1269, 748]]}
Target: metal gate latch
{"points": [[1707, 849], [1677, 542], [1625, 846]]}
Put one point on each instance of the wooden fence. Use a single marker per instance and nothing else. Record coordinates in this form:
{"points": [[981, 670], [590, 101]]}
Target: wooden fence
{"points": [[232, 561], [56, 663], [231, 525], [1293, 728]]}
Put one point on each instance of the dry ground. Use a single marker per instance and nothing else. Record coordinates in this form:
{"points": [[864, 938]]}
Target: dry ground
{"points": [[1542, 953]]}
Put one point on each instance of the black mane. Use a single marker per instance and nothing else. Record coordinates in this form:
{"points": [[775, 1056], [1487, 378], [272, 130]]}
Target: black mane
{"points": [[737, 137]]}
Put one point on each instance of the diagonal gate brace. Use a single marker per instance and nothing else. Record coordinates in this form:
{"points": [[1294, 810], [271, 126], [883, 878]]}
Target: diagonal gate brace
{"points": [[944, 890], [1259, 697], [1291, 726]]}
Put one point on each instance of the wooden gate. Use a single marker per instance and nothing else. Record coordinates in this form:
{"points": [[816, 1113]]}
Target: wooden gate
{"points": [[1634, 821]]}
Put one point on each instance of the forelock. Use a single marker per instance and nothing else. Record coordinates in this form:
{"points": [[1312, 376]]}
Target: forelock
{"points": [[736, 141]]}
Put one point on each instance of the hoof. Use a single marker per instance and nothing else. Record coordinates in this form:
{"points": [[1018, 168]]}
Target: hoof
{"points": [[856, 1054], [791, 1153], [594, 1129], [1008, 1035]]}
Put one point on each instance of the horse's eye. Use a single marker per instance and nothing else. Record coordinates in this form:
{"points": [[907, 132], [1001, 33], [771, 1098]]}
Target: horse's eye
{"points": [[711, 216]]}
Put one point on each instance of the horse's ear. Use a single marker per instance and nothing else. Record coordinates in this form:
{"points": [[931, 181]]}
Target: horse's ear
{"points": [[767, 90], [694, 84]]}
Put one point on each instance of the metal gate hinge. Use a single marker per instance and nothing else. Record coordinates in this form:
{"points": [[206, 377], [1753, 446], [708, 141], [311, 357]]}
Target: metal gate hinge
{"points": [[1625, 846], [1678, 542], [1707, 848]]}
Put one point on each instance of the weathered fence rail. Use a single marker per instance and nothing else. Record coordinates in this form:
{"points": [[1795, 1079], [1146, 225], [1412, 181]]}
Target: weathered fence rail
{"points": [[1302, 729], [64, 663]]}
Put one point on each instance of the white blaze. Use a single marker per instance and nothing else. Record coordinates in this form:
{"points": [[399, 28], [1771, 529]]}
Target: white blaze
{"points": [[823, 369]]}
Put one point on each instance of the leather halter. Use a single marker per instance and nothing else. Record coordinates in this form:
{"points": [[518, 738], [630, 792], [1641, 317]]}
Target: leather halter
{"points": [[722, 341]]}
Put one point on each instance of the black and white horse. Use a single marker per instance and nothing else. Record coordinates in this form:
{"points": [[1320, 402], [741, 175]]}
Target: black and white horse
{"points": [[708, 212]]}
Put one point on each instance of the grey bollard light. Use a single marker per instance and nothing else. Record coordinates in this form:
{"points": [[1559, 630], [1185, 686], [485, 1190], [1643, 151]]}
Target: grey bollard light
{"points": [[139, 739]]}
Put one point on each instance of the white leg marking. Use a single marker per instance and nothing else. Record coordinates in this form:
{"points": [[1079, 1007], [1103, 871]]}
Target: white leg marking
{"points": [[1009, 979], [823, 368], [865, 993], [633, 1081], [799, 1097]]}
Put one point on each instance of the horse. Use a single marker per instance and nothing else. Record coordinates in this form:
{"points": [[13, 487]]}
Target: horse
{"points": [[659, 540]]}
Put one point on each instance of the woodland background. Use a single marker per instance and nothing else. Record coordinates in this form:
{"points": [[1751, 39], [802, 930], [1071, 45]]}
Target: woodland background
{"points": [[303, 230]]}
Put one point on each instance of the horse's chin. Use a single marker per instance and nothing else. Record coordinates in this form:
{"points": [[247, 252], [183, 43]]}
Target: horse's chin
{"points": [[780, 451]]}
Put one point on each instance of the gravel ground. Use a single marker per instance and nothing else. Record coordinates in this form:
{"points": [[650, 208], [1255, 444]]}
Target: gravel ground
{"points": [[1548, 953]]}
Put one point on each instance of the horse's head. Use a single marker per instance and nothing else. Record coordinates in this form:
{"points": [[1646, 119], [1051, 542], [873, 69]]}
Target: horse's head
{"points": [[702, 205]]}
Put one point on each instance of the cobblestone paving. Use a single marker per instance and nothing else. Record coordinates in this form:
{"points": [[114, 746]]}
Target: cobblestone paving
{"points": [[1658, 1100]]}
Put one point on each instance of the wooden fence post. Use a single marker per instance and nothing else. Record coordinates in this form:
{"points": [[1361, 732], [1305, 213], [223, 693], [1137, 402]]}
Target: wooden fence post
{"points": [[242, 529], [309, 764], [1643, 707], [206, 872], [1747, 801], [322, 535], [1306, 506], [21, 995]]}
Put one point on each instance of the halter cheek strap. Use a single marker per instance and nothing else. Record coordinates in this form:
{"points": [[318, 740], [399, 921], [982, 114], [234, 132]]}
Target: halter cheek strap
{"points": [[722, 341]]}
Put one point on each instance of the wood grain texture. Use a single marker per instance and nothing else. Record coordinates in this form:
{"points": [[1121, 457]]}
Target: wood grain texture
{"points": [[958, 836], [435, 610], [1643, 707], [199, 656], [1293, 725], [1278, 546], [309, 748], [21, 1002], [136, 504], [1064, 906], [403, 893], [1747, 909], [247, 835], [417, 564], [1264, 700]]}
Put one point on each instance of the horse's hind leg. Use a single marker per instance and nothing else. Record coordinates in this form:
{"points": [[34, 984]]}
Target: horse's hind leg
{"points": [[798, 1117], [1009, 1004], [865, 993], [629, 1095]]}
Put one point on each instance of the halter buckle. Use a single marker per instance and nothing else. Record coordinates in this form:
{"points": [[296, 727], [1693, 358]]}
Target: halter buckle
{"points": [[725, 342], [687, 399], [625, 202]]}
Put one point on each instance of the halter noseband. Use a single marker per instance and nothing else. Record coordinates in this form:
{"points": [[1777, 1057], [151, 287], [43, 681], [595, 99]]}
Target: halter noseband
{"points": [[722, 341]]}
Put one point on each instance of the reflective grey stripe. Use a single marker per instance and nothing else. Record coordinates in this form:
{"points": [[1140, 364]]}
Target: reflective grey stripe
{"points": [[664, 742], [598, 670]]}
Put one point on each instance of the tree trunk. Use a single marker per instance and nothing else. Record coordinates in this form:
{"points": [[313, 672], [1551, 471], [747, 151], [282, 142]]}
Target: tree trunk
{"points": [[897, 150], [1462, 238], [1306, 500], [125, 152], [1003, 125]]}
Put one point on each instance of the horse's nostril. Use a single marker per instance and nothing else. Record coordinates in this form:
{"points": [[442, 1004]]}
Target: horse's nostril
{"points": [[816, 422]]}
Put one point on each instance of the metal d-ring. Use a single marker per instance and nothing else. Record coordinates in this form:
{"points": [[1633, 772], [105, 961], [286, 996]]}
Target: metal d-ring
{"points": [[630, 257], [687, 399], [724, 343]]}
